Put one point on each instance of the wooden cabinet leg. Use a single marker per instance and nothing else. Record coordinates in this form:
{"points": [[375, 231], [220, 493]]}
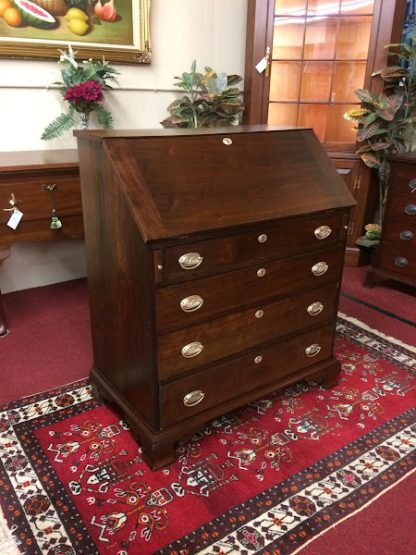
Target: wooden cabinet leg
{"points": [[3, 327], [158, 454]]}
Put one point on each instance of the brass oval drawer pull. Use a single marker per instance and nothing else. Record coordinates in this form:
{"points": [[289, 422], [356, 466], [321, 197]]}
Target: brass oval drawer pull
{"points": [[259, 313], [192, 349], [190, 260], [406, 235], [322, 232], [258, 359], [410, 209], [312, 350], [319, 268], [401, 262], [261, 272], [262, 238], [315, 308], [193, 398], [191, 303], [227, 141], [412, 185]]}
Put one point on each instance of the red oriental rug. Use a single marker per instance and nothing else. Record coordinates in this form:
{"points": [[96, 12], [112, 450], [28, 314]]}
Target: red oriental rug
{"points": [[266, 479]]}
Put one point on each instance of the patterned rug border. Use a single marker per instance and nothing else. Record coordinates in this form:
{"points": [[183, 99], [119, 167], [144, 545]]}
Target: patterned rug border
{"points": [[355, 513], [378, 333]]}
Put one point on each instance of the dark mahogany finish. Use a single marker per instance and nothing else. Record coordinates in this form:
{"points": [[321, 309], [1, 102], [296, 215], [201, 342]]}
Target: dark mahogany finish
{"points": [[396, 258], [25, 175], [176, 346]]}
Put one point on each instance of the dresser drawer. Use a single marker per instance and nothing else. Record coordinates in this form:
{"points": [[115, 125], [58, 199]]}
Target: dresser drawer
{"points": [[185, 304], [403, 208], [284, 239], [398, 258], [201, 344], [398, 233], [35, 202], [403, 179], [245, 373]]}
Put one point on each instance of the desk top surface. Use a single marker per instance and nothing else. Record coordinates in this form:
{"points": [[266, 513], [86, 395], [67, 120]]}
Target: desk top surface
{"points": [[35, 159]]}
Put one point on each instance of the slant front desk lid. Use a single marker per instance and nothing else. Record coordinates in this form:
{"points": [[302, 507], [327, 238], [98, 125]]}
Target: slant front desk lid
{"points": [[178, 182]]}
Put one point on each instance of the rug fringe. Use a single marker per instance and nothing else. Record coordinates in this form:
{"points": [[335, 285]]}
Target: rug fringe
{"points": [[389, 338], [7, 543], [370, 502]]}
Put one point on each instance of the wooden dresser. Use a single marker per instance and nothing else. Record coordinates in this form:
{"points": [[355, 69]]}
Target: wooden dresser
{"points": [[36, 183], [214, 259], [396, 258]]}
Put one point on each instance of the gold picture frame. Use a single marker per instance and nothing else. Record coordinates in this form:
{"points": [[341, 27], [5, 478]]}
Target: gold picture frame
{"points": [[124, 40]]}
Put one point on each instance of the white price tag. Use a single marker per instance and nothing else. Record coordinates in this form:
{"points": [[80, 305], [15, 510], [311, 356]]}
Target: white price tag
{"points": [[15, 218], [261, 66]]}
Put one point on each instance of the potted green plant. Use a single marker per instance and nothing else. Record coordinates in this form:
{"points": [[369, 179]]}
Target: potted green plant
{"points": [[210, 100], [385, 123]]}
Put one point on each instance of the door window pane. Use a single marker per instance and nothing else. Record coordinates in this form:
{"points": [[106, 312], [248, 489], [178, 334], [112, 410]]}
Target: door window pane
{"points": [[353, 38], [285, 81], [282, 114], [338, 129], [357, 7], [348, 76], [323, 8], [320, 38], [315, 116], [316, 81], [288, 38], [290, 7]]}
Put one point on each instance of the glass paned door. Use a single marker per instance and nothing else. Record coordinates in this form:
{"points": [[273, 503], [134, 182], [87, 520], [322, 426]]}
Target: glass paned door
{"points": [[319, 55]]}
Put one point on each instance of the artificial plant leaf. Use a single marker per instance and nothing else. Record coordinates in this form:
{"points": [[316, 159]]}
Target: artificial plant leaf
{"points": [[233, 79], [104, 117], [392, 71], [59, 125], [369, 131], [366, 96], [356, 114], [370, 160]]}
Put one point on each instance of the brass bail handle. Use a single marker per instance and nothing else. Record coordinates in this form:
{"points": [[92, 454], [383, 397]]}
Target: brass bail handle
{"points": [[55, 221], [12, 203]]}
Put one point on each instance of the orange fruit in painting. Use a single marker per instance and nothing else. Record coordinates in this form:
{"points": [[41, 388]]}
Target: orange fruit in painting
{"points": [[4, 4], [12, 17]]}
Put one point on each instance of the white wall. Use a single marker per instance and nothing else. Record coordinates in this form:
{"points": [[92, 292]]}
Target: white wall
{"points": [[210, 31]]}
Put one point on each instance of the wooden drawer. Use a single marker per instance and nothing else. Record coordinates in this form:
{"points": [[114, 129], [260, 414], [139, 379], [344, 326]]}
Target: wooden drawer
{"points": [[225, 292], [242, 330], [284, 239], [398, 258], [245, 373], [403, 236], [403, 179], [34, 201], [403, 208]]}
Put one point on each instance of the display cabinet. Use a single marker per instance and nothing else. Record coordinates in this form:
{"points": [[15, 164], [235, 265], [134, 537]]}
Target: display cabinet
{"points": [[316, 53]]}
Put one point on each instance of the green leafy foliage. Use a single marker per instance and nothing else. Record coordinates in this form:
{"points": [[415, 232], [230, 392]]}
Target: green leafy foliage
{"points": [[385, 122], [211, 100], [59, 125], [104, 117]]}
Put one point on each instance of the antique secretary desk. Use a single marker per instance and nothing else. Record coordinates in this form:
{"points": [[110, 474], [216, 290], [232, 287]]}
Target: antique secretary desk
{"points": [[214, 261]]}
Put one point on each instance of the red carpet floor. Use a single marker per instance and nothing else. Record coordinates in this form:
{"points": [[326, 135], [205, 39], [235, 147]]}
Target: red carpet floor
{"points": [[49, 333]]}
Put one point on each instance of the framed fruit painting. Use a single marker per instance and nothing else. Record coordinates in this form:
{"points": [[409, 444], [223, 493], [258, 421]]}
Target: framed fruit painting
{"points": [[119, 30]]}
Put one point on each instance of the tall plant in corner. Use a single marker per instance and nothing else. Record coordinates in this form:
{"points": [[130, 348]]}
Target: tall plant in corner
{"points": [[385, 122], [210, 100]]}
